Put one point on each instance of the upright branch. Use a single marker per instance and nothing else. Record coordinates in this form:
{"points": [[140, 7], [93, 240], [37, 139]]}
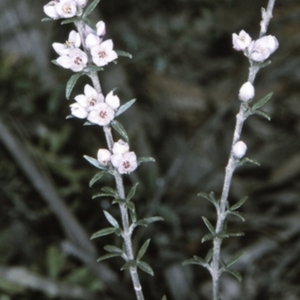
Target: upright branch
{"points": [[257, 52], [86, 53]]}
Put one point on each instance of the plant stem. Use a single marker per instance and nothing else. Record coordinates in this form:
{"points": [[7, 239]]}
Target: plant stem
{"points": [[126, 234], [240, 119]]}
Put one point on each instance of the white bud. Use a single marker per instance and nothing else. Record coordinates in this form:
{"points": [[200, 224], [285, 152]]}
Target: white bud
{"points": [[112, 100], [101, 28], [241, 41], [246, 92], [262, 48], [239, 150], [120, 147], [103, 156]]}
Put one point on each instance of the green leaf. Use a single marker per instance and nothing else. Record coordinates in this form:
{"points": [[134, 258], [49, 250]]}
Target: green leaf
{"points": [[239, 203], [110, 191], [117, 126], [124, 53], [128, 265], [145, 267], [209, 226], [55, 62], [70, 20], [143, 250], [90, 8], [234, 259], [132, 192], [124, 107], [95, 162], [46, 19], [237, 214], [145, 159], [210, 197], [146, 221], [245, 161], [196, 260], [111, 219], [71, 83], [113, 249], [92, 68], [263, 114], [101, 195], [208, 237], [103, 232], [164, 297], [97, 177], [236, 274], [209, 255], [107, 256], [55, 261], [229, 234], [261, 102], [130, 205], [133, 216]]}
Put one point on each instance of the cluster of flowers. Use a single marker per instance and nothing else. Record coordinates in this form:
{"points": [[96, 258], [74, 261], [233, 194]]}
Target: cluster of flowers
{"points": [[94, 107], [121, 158]]}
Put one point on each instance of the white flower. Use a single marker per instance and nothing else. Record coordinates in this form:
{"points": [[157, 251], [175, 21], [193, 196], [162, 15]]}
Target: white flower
{"points": [[81, 3], [102, 114], [92, 40], [66, 8], [103, 156], [75, 60], [50, 10], [73, 41], [101, 28], [120, 147], [90, 98], [262, 48], [239, 150], [103, 54], [124, 163], [78, 111], [112, 100], [246, 92], [241, 41]]}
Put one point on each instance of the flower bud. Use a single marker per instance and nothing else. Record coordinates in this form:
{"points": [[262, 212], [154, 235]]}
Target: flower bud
{"points": [[246, 92], [50, 10], [120, 147], [101, 28], [239, 150], [103, 156], [241, 41], [112, 100], [262, 48]]}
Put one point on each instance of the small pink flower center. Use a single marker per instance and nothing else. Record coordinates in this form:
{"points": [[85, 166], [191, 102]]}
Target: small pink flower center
{"points": [[77, 60], [103, 114], [67, 8], [126, 164], [92, 102], [101, 54]]}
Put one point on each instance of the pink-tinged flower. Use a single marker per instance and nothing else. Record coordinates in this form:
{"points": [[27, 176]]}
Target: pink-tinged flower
{"points": [[103, 156], [246, 92], [242, 41], [120, 147], [90, 98], [262, 48], [124, 163], [78, 111], [66, 8], [73, 41], [76, 60], [92, 40], [50, 10], [112, 100], [100, 26], [239, 150], [103, 54], [101, 114]]}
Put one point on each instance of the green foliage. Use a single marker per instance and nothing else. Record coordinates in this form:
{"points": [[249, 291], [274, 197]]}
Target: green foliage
{"points": [[124, 107], [55, 261], [90, 8], [71, 84], [254, 110], [95, 162], [124, 53], [118, 127]]}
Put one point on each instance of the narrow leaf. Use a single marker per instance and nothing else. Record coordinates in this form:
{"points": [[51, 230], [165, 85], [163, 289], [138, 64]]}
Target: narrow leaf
{"points": [[130, 205], [117, 126], [46, 19], [145, 159], [195, 261], [143, 250], [230, 234], [146, 221], [237, 214], [124, 107], [92, 68], [107, 256], [70, 20], [101, 195], [207, 237], [239, 203], [90, 8], [103, 232], [236, 274], [113, 249], [97, 177], [210, 197], [209, 255], [111, 219], [128, 265], [247, 160], [71, 83], [145, 267], [234, 259], [132, 192], [124, 53], [132, 216], [209, 226], [261, 102], [263, 114], [110, 191], [164, 297]]}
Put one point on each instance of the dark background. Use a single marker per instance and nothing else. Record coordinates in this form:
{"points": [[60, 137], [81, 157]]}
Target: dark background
{"points": [[185, 76]]}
